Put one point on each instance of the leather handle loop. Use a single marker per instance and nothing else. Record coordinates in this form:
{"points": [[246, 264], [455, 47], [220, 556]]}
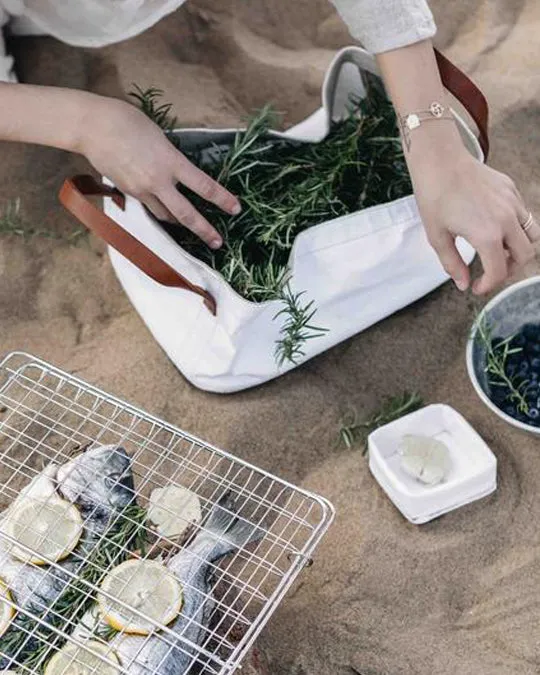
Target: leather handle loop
{"points": [[469, 95], [74, 196], [455, 80]]}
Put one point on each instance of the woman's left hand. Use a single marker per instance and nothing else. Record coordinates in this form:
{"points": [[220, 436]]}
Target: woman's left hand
{"points": [[459, 196]]}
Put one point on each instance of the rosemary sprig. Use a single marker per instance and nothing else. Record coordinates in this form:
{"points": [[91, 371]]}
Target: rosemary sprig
{"points": [[352, 431], [496, 357], [12, 222], [126, 533], [297, 329], [149, 102]]}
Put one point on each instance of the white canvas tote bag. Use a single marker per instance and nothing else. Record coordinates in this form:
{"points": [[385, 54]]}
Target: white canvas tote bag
{"points": [[357, 269]]}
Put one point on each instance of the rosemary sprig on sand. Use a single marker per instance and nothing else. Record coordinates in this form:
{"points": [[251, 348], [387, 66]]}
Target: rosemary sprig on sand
{"points": [[352, 431], [126, 533], [10, 219], [496, 357], [12, 222]]}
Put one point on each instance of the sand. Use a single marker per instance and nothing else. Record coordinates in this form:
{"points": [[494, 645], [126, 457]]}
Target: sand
{"points": [[384, 597]]}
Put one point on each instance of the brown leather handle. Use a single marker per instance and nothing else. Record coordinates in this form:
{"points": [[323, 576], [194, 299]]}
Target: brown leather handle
{"points": [[73, 196], [468, 94]]}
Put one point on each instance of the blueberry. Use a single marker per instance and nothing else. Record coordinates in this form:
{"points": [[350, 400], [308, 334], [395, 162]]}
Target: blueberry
{"points": [[511, 370], [513, 360], [523, 369], [533, 413], [535, 364], [510, 410], [534, 347], [498, 395], [531, 391], [534, 376], [519, 340], [531, 331]]}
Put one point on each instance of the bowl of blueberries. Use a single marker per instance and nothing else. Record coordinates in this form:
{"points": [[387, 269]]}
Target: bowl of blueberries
{"points": [[503, 355]]}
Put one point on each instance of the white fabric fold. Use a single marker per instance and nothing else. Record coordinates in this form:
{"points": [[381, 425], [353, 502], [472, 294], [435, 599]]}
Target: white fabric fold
{"points": [[383, 25], [380, 25]]}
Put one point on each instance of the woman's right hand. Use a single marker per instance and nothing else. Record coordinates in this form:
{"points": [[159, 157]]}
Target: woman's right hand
{"points": [[129, 149]]}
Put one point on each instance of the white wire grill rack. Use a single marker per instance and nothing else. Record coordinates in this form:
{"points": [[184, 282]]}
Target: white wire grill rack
{"points": [[232, 578]]}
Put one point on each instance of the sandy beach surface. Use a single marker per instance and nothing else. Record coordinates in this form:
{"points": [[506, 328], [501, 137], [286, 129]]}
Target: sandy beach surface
{"points": [[459, 595]]}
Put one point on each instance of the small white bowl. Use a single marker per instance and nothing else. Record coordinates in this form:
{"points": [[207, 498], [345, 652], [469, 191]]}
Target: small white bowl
{"points": [[506, 313], [473, 473]]}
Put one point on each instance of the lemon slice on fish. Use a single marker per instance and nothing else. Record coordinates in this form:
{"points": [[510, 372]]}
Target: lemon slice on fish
{"points": [[73, 659], [7, 611], [173, 509], [50, 529], [146, 586]]}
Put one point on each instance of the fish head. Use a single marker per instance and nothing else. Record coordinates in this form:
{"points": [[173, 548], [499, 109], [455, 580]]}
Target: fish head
{"points": [[99, 479]]}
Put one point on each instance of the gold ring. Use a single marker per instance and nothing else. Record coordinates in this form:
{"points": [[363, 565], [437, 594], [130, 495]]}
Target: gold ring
{"points": [[528, 223]]}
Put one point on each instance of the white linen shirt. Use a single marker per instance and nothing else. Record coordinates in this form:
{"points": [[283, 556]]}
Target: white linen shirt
{"points": [[380, 25]]}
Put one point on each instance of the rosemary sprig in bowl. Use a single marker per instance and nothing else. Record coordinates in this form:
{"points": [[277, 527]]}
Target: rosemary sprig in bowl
{"points": [[497, 353]]}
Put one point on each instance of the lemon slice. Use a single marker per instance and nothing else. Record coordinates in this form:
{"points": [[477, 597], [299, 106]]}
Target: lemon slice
{"points": [[75, 660], [144, 585], [50, 529], [6, 610], [173, 509]]}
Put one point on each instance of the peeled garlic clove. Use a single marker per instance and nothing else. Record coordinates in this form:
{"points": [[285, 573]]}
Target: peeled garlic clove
{"points": [[173, 510], [425, 459]]}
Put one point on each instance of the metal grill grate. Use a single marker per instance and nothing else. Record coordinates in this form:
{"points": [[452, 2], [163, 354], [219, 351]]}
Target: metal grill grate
{"points": [[48, 417]]}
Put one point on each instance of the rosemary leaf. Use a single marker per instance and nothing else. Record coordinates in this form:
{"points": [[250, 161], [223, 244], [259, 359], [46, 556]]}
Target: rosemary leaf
{"points": [[353, 431]]}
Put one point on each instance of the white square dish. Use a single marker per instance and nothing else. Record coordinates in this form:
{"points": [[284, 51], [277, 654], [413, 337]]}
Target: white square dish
{"points": [[473, 472]]}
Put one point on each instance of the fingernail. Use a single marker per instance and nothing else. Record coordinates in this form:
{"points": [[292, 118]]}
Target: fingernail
{"points": [[461, 284], [216, 243], [236, 209]]}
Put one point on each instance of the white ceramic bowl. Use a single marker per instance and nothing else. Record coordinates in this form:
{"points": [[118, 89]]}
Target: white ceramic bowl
{"points": [[473, 472], [507, 312]]}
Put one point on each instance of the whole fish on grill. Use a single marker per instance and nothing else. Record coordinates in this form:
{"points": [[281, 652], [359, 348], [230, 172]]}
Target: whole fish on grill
{"points": [[162, 654]]}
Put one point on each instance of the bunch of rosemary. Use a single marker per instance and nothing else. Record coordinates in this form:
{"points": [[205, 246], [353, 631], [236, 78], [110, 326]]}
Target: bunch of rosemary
{"points": [[286, 187], [126, 533]]}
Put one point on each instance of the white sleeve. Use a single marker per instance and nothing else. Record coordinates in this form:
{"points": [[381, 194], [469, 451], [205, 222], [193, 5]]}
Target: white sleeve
{"points": [[382, 25]]}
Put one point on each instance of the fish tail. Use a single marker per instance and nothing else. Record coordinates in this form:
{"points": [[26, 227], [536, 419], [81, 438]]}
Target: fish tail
{"points": [[225, 531]]}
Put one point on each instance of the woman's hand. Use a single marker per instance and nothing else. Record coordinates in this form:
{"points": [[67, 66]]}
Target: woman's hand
{"points": [[124, 145], [459, 196]]}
